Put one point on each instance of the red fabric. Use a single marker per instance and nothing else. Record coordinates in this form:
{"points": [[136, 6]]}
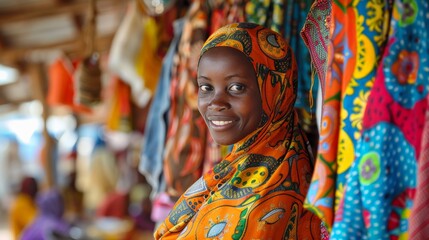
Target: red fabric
{"points": [[61, 90], [115, 205], [61, 86]]}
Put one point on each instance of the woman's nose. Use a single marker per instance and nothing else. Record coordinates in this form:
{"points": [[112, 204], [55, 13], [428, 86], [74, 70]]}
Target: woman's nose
{"points": [[219, 102]]}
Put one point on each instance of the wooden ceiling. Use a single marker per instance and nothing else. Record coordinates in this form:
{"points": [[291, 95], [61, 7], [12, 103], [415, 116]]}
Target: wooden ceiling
{"points": [[33, 30]]}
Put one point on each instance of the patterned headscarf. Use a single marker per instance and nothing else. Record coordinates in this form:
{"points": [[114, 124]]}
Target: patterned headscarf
{"points": [[257, 191]]}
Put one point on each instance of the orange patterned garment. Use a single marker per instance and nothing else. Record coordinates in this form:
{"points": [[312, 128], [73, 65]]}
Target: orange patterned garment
{"points": [[257, 191]]}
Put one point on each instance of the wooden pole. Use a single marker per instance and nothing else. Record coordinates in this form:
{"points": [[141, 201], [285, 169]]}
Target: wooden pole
{"points": [[92, 27], [39, 85]]}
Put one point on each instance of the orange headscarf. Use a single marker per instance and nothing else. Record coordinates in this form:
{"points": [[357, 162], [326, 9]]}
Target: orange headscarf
{"points": [[257, 191]]}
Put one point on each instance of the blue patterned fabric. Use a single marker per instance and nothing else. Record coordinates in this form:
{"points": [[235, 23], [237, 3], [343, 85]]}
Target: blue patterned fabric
{"points": [[151, 163]]}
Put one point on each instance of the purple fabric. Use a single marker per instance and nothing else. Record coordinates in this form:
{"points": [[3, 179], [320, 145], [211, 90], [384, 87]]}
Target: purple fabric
{"points": [[49, 219]]}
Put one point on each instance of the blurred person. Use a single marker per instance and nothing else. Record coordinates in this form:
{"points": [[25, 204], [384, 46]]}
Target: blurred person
{"points": [[23, 209], [49, 219]]}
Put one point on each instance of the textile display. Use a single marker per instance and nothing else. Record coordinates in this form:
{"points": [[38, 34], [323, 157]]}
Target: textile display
{"points": [[152, 154], [124, 53], [374, 81], [380, 189], [186, 133], [349, 74]]}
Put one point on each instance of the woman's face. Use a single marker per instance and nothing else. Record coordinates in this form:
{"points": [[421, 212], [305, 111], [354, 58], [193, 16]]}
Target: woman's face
{"points": [[228, 95]]}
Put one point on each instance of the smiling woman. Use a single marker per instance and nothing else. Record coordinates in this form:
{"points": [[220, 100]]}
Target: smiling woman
{"points": [[247, 79], [228, 98]]}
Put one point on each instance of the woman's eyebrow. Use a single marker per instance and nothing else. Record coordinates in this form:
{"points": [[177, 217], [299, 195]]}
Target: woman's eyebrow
{"points": [[235, 75], [203, 77]]}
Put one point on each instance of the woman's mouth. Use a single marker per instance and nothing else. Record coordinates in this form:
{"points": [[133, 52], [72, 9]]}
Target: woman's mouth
{"points": [[220, 123]]}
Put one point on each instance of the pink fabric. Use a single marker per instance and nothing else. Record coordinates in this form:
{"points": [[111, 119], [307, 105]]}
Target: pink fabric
{"points": [[419, 219], [161, 207], [315, 34]]}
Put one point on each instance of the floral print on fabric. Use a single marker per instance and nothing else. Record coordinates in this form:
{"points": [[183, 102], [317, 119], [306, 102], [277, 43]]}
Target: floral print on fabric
{"points": [[381, 184], [356, 28]]}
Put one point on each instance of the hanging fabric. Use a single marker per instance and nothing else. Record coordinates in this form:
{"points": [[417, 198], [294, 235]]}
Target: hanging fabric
{"points": [[88, 84], [185, 142], [126, 48], [119, 118], [152, 155], [225, 12], [88, 74], [381, 184], [374, 80], [350, 68]]}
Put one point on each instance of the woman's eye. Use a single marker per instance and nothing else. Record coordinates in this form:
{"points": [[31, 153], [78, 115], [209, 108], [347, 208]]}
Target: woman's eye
{"points": [[205, 88], [237, 88]]}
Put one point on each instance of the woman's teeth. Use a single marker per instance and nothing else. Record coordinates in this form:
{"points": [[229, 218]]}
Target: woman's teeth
{"points": [[221, 123]]}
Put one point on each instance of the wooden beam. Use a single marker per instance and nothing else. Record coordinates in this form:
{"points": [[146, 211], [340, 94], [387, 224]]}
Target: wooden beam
{"points": [[11, 56], [24, 13]]}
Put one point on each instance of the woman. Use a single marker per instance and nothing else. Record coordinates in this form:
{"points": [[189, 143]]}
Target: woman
{"points": [[247, 79], [50, 219], [24, 208]]}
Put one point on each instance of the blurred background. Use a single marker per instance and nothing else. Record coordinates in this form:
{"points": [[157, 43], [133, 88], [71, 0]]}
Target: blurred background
{"points": [[92, 96], [46, 132]]}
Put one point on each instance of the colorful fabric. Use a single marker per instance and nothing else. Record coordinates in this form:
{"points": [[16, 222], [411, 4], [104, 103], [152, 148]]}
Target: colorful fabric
{"points": [[151, 163], [316, 35], [119, 118], [287, 17], [226, 12], [61, 91], [257, 191], [125, 53], [419, 218], [357, 35], [381, 184], [295, 12], [186, 134], [270, 14]]}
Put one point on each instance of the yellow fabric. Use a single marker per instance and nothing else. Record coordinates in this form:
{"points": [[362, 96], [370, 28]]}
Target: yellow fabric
{"points": [[148, 62], [22, 213]]}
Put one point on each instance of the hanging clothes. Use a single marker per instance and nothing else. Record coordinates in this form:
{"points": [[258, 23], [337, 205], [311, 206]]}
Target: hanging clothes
{"points": [[226, 12], [61, 91], [119, 118], [374, 80], [287, 17], [295, 14], [346, 72], [186, 134], [152, 155], [136, 45], [381, 185]]}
